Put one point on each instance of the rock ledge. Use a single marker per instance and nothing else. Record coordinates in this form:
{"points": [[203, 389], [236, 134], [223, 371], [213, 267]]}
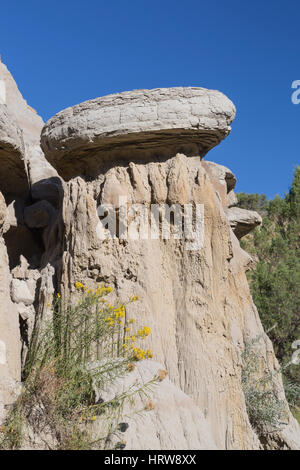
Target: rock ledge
{"points": [[140, 123]]}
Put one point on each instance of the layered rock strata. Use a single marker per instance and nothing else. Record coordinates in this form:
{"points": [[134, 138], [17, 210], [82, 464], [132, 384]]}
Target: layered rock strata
{"points": [[139, 124]]}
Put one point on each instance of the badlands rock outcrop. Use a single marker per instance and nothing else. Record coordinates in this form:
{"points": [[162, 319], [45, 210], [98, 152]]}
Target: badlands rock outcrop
{"points": [[29, 124], [23, 166], [224, 182], [146, 146], [10, 343], [182, 423], [13, 173], [242, 221], [141, 123]]}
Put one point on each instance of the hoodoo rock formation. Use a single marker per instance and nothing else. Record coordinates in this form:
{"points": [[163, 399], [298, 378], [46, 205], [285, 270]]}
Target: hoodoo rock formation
{"points": [[147, 146], [142, 123]]}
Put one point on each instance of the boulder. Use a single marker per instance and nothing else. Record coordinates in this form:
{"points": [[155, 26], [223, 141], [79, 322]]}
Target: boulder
{"points": [[137, 124], [223, 181], [243, 221], [38, 215], [23, 291], [20, 271], [23, 271], [50, 189]]}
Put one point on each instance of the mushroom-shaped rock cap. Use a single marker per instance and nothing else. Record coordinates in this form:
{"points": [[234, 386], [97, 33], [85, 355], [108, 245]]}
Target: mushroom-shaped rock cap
{"points": [[136, 125], [12, 172]]}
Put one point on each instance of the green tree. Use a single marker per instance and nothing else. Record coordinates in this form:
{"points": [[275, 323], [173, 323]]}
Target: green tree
{"points": [[275, 282], [255, 202]]}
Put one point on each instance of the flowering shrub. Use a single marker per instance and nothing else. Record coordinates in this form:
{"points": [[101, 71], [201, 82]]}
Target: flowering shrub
{"points": [[88, 344]]}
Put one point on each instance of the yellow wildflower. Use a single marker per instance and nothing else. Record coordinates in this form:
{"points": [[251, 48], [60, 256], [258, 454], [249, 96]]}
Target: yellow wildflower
{"points": [[149, 354], [139, 353], [79, 285], [146, 330], [103, 290], [120, 312], [110, 321]]}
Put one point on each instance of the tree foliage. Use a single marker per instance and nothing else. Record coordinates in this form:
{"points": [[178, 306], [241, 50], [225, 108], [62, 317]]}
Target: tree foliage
{"points": [[275, 282]]}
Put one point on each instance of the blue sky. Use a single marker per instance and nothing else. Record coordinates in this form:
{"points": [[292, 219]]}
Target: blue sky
{"points": [[64, 52]]}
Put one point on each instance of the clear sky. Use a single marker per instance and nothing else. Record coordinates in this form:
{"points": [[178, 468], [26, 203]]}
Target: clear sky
{"points": [[64, 52]]}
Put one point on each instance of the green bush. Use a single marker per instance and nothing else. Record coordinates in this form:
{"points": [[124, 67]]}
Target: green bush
{"points": [[265, 409], [275, 280]]}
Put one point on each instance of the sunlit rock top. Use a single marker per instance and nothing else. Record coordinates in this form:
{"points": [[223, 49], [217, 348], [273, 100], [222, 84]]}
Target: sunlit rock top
{"points": [[138, 124]]}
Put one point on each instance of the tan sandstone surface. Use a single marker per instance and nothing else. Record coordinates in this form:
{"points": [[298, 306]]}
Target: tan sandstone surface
{"points": [[196, 302]]}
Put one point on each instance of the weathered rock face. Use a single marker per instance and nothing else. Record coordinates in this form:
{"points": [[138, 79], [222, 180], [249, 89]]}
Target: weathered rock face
{"points": [[10, 344], [200, 295], [30, 124], [223, 181], [183, 425], [21, 248], [242, 221], [146, 146], [138, 124], [13, 175]]}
